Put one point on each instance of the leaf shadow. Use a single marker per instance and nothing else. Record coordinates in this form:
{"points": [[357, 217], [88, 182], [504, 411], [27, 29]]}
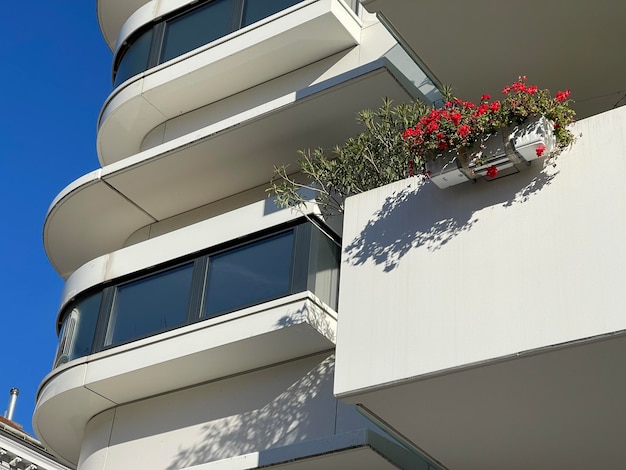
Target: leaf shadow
{"points": [[420, 215]]}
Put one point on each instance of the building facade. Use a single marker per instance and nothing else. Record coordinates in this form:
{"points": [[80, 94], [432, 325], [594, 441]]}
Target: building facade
{"points": [[199, 323]]}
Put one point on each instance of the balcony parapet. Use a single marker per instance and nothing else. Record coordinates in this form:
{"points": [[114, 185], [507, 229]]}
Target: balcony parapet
{"points": [[503, 317], [112, 14]]}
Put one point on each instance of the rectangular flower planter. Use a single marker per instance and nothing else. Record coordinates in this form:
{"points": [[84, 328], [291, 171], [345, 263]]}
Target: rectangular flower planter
{"points": [[506, 148]]}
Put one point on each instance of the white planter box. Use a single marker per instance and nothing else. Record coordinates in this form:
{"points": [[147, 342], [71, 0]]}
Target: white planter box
{"points": [[503, 149]]}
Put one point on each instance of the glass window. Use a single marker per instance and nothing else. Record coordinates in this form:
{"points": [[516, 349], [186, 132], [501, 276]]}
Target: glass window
{"points": [[78, 330], [249, 275], [294, 260], [196, 28], [150, 306], [256, 10], [135, 59]]}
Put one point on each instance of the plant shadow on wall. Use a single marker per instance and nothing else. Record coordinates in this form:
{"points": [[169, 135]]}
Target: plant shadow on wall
{"points": [[422, 216], [314, 316], [282, 408]]}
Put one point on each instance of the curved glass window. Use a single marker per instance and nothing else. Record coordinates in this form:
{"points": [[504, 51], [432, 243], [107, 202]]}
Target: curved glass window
{"points": [[135, 60], [294, 259], [77, 332], [180, 33]]}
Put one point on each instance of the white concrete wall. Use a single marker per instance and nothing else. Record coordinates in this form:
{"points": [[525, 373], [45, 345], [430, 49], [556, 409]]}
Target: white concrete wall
{"points": [[269, 408], [434, 280]]}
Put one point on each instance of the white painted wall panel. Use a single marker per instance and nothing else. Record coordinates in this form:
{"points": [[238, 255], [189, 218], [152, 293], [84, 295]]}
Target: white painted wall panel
{"points": [[269, 408], [439, 279], [93, 452]]}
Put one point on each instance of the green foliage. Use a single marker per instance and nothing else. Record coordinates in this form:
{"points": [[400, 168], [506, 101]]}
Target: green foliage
{"points": [[375, 157]]}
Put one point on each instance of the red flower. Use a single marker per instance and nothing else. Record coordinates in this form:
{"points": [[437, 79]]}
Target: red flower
{"points": [[532, 89], [464, 130], [518, 86], [410, 132], [455, 118], [485, 98], [492, 171], [494, 106], [431, 127], [539, 150], [562, 95]]}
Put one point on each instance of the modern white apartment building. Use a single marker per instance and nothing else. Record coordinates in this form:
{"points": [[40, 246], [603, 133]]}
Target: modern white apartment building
{"points": [[199, 324]]}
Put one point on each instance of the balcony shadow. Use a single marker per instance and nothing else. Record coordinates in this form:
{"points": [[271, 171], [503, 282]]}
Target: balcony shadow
{"points": [[424, 216], [289, 416]]}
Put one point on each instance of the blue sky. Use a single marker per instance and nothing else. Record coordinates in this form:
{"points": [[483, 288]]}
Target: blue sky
{"points": [[55, 78]]}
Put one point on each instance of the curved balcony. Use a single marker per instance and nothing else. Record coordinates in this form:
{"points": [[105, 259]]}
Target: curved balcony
{"points": [[99, 212], [234, 343], [112, 14], [152, 35], [255, 54], [130, 301]]}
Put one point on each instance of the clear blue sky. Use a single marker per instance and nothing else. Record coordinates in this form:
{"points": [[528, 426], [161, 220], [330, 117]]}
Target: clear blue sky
{"points": [[55, 78]]}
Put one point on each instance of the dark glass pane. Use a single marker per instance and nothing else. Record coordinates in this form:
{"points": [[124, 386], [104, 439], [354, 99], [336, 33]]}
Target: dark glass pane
{"points": [[151, 305], [79, 326], [135, 59], [196, 28], [249, 275], [256, 10]]}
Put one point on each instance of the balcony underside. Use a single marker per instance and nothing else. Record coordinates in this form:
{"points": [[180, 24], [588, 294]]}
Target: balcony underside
{"points": [[559, 408], [362, 450], [234, 343], [112, 14], [97, 213], [557, 44]]}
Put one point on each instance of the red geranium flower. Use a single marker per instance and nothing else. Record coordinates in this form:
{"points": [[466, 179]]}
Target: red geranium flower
{"points": [[539, 150], [492, 171], [495, 106], [464, 130], [455, 118], [562, 95]]}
